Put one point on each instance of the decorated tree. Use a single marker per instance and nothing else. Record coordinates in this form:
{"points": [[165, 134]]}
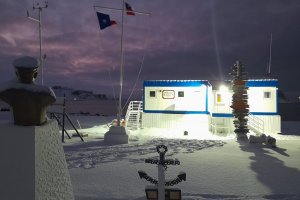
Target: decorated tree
{"points": [[240, 107]]}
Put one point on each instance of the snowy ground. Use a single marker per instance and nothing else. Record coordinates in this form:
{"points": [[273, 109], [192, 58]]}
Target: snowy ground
{"points": [[216, 167]]}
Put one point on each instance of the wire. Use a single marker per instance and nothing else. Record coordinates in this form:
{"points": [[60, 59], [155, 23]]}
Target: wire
{"points": [[141, 67], [113, 89]]}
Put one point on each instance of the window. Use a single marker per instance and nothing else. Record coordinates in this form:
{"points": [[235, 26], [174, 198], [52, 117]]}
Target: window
{"points": [[267, 95], [168, 94], [180, 93], [219, 98], [152, 93]]}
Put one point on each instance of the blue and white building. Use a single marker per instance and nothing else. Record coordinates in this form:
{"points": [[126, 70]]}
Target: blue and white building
{"points": [[176, 103], [196, 103], [263, 107]]}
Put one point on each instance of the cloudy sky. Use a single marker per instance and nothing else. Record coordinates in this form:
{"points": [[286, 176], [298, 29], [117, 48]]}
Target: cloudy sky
{"points": [[192, 39]]}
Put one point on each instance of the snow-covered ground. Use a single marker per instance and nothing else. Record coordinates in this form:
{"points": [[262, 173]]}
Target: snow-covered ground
{"points": [[216, 167]]}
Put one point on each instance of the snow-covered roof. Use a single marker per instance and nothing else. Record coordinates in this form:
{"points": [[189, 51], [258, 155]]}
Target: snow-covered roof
{"points": [[26, 62], [176, 83]]}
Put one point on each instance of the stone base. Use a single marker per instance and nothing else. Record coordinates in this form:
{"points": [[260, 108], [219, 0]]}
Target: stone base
{"points": [[33, 164], [116, 135]]}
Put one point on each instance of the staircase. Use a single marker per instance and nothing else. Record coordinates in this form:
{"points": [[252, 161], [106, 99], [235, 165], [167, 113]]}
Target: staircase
{"points": [[133, 114], [219, 125], [255, 124]]}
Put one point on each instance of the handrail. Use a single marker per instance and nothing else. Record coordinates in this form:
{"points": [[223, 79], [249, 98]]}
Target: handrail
{"points": [[255, 123], [134, 107]]}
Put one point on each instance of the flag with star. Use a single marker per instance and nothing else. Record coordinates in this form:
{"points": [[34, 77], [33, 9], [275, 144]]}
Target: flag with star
{"points": [[104, 20]]}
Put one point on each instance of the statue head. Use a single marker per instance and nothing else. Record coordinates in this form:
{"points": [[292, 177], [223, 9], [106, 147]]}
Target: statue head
{"points": [[26, 69]]}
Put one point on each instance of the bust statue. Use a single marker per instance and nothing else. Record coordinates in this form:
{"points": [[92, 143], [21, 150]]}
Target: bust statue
{"points": [[28, 100]]}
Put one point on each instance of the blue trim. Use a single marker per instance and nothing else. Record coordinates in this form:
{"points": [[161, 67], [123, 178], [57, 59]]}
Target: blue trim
{"points": [[264, 113], [206, 106], [276, 93], [176, 83], [175, 112], [222, 115], [144, 100], [262, 83]]}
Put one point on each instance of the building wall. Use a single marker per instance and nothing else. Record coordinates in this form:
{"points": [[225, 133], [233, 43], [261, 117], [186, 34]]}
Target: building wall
{"points": [[223, 106], [167, 99], [260, 102], [170, 110], [178, 121]]}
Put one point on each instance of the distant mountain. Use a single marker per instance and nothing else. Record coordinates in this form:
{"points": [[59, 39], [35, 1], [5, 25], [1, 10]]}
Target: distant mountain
{"points": [[72, 94]]}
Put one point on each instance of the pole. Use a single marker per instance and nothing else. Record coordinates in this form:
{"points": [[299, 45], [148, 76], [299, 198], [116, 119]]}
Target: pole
{"points": [[40, 35], [121, 69], [269, 66], [39, 20], [161, 182], [122, 55]]}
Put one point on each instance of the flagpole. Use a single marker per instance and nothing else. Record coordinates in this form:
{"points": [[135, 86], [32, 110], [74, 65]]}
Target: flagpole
{"points": [[121, 69], [117, 134]]}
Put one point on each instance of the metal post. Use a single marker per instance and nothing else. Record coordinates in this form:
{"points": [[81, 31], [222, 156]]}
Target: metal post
{"points": [[63, 120], [270, 57], [161, 182], [39, 20], [40, 36], [122, 55], [121, 69]]}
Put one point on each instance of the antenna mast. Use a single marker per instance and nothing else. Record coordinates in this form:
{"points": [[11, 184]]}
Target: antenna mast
{"points": [[39, 20], [270, 57]]}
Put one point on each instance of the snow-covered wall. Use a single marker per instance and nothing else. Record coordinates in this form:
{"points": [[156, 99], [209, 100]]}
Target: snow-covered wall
{"points": [[33, 164]]}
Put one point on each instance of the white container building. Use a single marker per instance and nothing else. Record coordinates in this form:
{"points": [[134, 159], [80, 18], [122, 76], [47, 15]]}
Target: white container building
{"points": [[182, 104]]}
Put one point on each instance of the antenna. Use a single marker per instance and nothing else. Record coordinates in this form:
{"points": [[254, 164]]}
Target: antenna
{"points": [[270, 57], [39, 20]]}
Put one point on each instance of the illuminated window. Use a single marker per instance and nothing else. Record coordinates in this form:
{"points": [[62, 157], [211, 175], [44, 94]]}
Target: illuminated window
{"points": [[180, 93], [218, 98], [152, 93], [267, 95]]}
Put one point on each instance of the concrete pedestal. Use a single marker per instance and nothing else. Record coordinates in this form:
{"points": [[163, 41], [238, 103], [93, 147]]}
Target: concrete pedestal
{"points": [[116, 135], [33, 164]]}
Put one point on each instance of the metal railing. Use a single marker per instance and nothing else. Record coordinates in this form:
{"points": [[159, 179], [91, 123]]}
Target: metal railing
{"points": [[256, 124], [133, 114]]}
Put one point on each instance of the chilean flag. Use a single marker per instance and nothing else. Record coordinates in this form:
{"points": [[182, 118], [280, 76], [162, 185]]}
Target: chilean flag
{"points": [[129, 10], [104, 20]]}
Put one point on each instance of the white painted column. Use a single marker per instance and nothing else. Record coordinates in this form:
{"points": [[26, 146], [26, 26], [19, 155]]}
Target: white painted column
{"points": [[34, 165]]}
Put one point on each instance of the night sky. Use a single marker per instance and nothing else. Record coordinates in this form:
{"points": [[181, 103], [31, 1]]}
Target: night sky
{"points": [[192, 39]]}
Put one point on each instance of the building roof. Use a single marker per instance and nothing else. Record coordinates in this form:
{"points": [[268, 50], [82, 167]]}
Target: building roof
{"points": [[262, 83], [176, 83]]}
